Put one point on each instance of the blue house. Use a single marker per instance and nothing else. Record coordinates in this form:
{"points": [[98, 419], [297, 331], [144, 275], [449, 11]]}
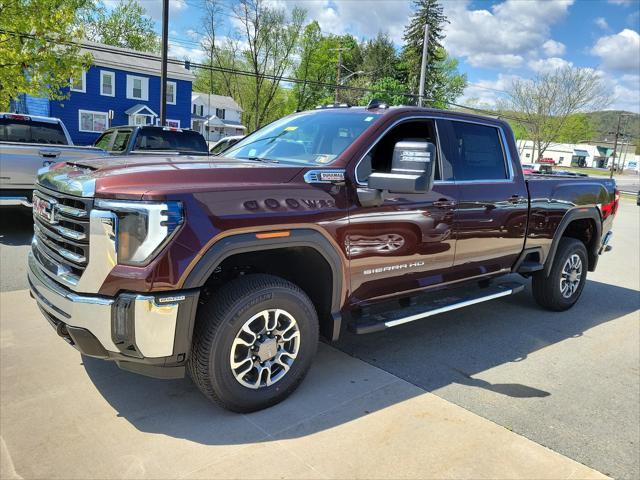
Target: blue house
{"points": [[120, 88]]}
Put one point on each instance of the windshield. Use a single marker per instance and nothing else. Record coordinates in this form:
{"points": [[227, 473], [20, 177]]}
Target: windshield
{"points": [[310, 138]]}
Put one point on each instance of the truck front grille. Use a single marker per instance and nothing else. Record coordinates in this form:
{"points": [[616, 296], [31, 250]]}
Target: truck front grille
{"points": [[61, 240]]}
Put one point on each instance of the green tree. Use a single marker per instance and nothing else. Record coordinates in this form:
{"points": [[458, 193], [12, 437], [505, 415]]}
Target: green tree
{"points": [[443, 83], [576, 128], [379, 58], [388, 90], [127, 26], [34, 56], [262, 42]]}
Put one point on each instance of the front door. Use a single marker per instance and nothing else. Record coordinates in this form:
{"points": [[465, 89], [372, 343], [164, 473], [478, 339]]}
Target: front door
{"points": [[405, 244]]}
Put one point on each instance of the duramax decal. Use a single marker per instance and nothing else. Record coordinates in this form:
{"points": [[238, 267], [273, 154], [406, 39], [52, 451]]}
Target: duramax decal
{"points": [[392, 268]]}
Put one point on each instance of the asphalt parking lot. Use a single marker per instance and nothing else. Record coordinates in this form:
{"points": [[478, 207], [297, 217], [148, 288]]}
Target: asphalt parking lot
{"points": [[567, 381]]}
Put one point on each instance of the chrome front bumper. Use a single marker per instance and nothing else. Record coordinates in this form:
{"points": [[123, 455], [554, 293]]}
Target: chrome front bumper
{"points": [[151, 319]]}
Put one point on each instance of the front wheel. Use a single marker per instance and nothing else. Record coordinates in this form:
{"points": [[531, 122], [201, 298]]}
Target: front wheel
{"points": [[253, 342], [563, 286]]}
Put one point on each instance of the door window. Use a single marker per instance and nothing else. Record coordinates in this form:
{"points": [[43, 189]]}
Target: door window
{"points": [[104, 140], [477, 152], [380, 156]]}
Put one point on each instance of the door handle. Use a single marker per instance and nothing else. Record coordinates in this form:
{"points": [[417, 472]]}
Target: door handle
{"points": [[444, 203], [49, 153], [514, 199]]}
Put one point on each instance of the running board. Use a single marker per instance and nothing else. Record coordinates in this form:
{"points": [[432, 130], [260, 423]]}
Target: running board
{"points": [[382, 321]]}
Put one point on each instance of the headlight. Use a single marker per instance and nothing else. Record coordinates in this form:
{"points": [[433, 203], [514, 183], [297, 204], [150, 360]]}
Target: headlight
{"points": [[142, 228]]}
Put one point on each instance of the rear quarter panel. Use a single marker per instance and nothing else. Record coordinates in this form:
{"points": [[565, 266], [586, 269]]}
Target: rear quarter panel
{"points": [[551, 198]]}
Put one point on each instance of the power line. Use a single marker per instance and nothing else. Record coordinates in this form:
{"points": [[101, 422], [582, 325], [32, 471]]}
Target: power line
{"points": [[231, 71]]}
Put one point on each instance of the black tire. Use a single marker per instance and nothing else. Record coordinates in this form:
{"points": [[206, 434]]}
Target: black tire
{"points": [[546, 289], [219, 321]]}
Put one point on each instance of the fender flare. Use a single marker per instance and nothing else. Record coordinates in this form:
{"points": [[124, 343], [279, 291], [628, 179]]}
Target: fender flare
{"points": [[247, 242], [577, 213]]}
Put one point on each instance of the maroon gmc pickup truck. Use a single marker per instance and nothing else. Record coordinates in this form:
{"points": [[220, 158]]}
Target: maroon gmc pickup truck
{"points": [[230, 268]]}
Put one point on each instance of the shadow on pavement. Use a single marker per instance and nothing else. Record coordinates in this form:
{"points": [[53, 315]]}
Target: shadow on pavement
{"points": [[432, 353], [16, 226], [453, 347]]}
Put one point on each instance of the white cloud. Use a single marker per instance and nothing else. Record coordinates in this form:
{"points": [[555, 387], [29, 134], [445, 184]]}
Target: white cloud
{"points": [[509, 30], [361, 18], [507, 60], [621, 2], [487, 93], [626, 93], [602, 23], [553, 49], [181, 52], [548, 65], [153, 8], [619, 52]]}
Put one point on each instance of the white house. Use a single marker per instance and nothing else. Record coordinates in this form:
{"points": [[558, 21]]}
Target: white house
{"points": [[595, 155], [215, 116]]}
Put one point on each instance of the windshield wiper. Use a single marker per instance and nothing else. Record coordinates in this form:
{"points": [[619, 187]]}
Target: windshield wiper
{"points": [[260, 159]]}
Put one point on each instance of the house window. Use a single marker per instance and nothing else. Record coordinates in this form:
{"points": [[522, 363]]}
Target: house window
{"points": [[94, 122], [202, 110], [79, 84], [194, 108], [137, 88], [561, 159], [528, 155], [171, 93], [220, 113], [107, 83], [169, 123]]}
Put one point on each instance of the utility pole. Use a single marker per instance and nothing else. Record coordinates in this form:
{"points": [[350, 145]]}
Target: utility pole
{"points": [[163, 71], [423, 66], [615, 144], [339, 50]]}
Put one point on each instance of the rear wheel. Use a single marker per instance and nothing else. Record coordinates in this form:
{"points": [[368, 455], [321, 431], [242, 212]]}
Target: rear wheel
{"points": [[563, 286], [253, 342]]}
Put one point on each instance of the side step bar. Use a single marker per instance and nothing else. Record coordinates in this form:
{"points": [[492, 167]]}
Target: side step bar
{"points": [[379, 322]]}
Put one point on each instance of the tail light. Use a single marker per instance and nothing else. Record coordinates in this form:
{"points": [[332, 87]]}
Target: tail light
{"points": [[611, 208]]}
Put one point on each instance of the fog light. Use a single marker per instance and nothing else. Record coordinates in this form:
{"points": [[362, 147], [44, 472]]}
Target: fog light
{"points": [[122, 318]]}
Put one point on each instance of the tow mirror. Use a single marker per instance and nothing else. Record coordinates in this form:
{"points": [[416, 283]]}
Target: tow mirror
{"points": [[412, 169]]}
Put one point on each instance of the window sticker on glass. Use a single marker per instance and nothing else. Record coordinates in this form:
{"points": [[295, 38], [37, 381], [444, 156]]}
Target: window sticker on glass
{"points": [[368, 119], [323, 158], [290, 128]]}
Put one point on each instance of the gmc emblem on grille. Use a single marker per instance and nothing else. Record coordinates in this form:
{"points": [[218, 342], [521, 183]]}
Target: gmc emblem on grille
{"points": [[45, 209]]}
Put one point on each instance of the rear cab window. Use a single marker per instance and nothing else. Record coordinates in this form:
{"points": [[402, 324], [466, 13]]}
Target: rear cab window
{"points": [[31, 131], [170, 140], [477, 152]]}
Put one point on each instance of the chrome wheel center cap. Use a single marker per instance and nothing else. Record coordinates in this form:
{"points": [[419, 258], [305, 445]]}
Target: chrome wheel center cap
{"points": [[267, 349], [573, 277]]}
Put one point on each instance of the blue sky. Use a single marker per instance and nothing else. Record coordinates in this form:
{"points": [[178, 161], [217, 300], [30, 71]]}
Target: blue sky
{"points": [[495, 41]]}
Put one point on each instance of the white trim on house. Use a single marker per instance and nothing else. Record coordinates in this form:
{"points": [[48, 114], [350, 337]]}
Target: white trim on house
{"points": [[112, 75], [144, 87], [93, 121], [175, 91], [84, 84]]}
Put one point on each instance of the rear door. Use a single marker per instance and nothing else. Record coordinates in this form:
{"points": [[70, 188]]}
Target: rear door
{"points": [[406, 244], [491, 215]]}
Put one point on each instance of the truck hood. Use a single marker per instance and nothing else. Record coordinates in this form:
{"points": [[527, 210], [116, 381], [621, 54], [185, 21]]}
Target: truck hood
{"points": [[156, 177]]}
